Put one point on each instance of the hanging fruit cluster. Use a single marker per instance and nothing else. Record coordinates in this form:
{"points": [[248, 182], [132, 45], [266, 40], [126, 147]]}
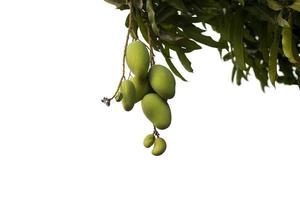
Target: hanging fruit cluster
{"points": [[151, 86], [257, 36]]}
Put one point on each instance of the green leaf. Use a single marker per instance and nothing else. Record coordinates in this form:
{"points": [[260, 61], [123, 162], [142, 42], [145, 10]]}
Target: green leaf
{"points": [[236, 34], [166, 53], [179, 4], [242, 2], [165, 13], [151, 17], [134, 27], [273, 56], [170, 37], [295, 5], [196, 34], [188, 45], [261, 13], [274, 5], [233, 73], [264, 34], [239, 76], [141, 25], [282, 22], [138, 4], [186, 63]]}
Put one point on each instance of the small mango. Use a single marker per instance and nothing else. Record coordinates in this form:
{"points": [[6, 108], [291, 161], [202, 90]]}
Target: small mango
{"points": [[137, 58], [142, 87], [160, 146], [157, 110], [129, 94], [162, 81], [149, 140]]}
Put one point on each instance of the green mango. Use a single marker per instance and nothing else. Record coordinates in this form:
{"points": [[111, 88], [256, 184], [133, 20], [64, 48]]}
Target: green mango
{"points": [[129, 94], [157, 110], [118, 96], [142, 87], [160, 146], [149, 140], [138, 59], [162, 81]]}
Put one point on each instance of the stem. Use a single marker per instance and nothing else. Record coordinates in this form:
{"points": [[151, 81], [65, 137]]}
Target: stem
{"points": [[105, 99], [155, 132], [152, 61]]}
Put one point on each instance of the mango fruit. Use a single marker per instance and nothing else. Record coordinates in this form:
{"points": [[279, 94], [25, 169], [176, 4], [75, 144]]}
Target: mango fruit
{"points": [[118, 96], [157, 110], [162, 81], [129, 94], [137, 58], [160, 146], [149, 140], [142, 87]]}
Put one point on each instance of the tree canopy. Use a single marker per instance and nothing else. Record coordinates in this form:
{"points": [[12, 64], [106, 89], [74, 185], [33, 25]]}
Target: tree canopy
{"points": [[262, 35]]}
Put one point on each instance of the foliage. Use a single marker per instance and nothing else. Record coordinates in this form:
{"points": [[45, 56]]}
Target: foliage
{"points": [[262, 35]]}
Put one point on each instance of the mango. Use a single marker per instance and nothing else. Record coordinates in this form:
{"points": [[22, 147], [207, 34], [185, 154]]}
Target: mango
{"points": [[162, 81], [149, 140], [129, 94], [118, 96], [157, 110], [160, 146], [138, 59], [142, 87]]}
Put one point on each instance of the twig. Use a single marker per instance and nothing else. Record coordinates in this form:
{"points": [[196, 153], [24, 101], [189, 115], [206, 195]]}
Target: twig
{"points": [[152, 61], [105, 99]]}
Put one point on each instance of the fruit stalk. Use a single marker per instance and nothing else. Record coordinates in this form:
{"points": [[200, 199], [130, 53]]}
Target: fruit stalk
{"points": [[152, 61], [105, 99]]}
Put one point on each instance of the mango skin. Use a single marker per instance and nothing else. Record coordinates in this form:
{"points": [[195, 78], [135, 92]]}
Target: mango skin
{"points": [[142, 87], [138, 59], [162, 81], [160, 146], [149, 140], [118, 96], [129, 94], [157, 110]]}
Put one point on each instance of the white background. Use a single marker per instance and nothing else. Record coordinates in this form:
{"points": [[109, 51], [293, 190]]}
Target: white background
{"points": [[58, 58]]}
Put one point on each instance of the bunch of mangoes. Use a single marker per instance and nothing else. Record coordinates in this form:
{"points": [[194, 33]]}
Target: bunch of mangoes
{"points": [[153, 87]]}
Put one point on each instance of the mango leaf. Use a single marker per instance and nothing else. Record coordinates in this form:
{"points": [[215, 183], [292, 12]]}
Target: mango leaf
{"points": [[263, 35], [227, 56], [138, 4], [196, 34], [166, 53], [273, 56], [134, 27], [239, 75], [274, 5], [186, 63], [295, 5], [236, 34], [261, 13], [179, 4], [282, 22], [138, 18], [233, 73], [151, 17], [165, 12], [170, 37]]}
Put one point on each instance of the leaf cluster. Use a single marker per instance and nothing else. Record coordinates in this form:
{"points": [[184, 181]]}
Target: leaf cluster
{"points": [[250, 33]]}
